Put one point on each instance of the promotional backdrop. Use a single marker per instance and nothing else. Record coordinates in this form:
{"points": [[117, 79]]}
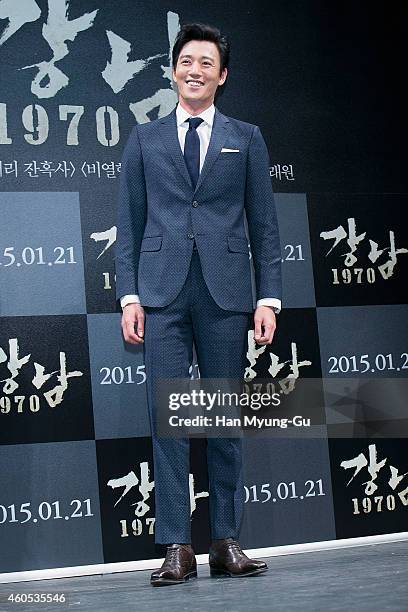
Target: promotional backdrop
{"points": [[76, 479]]}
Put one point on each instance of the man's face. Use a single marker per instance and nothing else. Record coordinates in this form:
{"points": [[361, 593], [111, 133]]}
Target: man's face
{"points": [[197, 72]]}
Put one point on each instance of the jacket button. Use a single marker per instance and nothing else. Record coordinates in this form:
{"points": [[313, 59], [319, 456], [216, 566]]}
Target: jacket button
{"points": [[195, 204], [191, 236]]}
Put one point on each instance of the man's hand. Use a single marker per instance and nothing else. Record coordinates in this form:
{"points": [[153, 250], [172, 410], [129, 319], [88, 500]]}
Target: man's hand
{"points": [[133, 317], [265, 324]]}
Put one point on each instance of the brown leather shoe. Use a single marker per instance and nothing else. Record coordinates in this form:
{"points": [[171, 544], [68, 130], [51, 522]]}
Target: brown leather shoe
{"points": [[178, 566], [226, 558]]}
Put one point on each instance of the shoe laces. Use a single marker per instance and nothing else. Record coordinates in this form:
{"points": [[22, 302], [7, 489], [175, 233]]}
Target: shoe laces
{"points": [[235, 545], [172, 552]]}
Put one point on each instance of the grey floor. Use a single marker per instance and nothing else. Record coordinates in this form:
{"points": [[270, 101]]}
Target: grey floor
{"points": [[364, 578]]}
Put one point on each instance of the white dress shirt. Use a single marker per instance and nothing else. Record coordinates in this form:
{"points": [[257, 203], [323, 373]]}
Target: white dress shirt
{"points": [[204, 133]]}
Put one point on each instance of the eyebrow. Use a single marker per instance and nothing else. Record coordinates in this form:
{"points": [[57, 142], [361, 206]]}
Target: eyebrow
{"points": [[202, 57]]}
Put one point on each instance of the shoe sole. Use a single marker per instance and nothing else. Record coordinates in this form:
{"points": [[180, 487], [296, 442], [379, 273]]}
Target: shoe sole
{"points": [[169, 581], [221, 572]]}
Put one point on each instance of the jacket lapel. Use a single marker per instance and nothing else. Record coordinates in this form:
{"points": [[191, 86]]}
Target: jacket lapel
{"points": [[168, 133], [219, 134]]}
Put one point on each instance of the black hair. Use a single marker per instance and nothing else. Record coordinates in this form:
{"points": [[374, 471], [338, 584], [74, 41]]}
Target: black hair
{"points": [[201, 31]]}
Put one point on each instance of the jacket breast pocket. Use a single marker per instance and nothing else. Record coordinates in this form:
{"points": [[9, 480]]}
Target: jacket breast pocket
{"points": [[237, 244], [231, 165], [151, 243], [230, 156]]}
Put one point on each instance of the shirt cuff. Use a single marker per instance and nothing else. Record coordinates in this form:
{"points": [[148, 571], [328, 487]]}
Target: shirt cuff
{"points": [[273, 302], [129, 299]]}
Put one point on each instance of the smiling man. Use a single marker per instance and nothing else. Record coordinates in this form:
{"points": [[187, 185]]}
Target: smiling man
{"points": [[183, 277]]}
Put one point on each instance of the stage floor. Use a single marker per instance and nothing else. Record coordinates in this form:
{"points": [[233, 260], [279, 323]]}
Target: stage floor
{"points": [[363, 578]]}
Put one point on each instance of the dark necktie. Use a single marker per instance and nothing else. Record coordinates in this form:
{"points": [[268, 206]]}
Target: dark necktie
{"points": [[192, 149]]}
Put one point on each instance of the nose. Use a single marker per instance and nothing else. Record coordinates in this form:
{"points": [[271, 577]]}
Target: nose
{"points": [[195, 69]]}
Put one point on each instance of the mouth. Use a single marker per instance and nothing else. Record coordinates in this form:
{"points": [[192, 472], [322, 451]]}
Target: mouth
{"points": [[194, 84]]}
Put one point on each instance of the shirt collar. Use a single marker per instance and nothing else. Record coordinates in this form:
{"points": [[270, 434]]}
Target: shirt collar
{"points": [[208, 115]]}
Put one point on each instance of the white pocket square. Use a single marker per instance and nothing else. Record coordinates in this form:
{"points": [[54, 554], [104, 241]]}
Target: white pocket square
{"points": [[224, 150]]}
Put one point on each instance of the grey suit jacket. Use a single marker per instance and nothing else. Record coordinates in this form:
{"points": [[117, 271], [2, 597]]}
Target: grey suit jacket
{"points": [[160, 215]]}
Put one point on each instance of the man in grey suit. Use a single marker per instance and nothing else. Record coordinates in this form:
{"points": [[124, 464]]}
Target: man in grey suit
{"points": [[183, 277]]}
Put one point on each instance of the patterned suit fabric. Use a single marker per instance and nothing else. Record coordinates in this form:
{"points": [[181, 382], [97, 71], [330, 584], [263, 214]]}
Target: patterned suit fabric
{"points": [[185, 252], [160, 212]]}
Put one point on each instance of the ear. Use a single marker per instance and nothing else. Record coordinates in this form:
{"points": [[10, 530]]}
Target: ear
{"points": [[223, 76]]}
